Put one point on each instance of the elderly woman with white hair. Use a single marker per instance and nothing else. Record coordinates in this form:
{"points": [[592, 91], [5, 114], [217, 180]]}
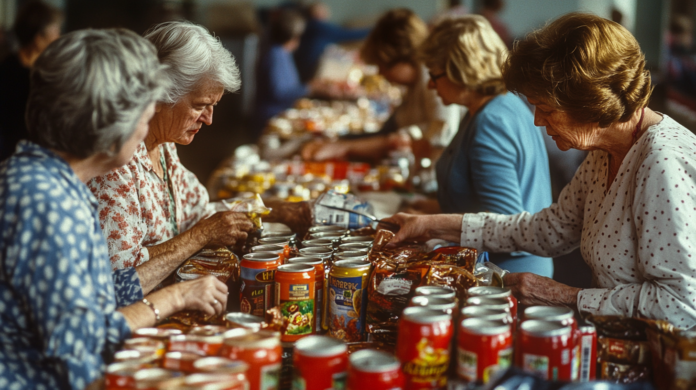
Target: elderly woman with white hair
{"points": [[93, 93], [154, 212]]}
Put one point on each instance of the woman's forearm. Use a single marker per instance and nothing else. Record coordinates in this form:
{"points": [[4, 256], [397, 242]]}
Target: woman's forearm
{"points": [[445, 227], [166, 257], [139, 315]]}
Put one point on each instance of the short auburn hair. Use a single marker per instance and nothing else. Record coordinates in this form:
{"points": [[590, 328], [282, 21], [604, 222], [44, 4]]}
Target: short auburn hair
{"points": [[469, 51], [590, 67], [395, 38]]}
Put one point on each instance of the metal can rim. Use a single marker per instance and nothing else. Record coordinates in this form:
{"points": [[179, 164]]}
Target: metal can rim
{"points": [[484, 327], [489, 291], [320, 346], [306, 260], [351, 264], [295, 268], [424, 315], [373, 361], [540, 328], [235, 366], [548, 313], [267, 257]]}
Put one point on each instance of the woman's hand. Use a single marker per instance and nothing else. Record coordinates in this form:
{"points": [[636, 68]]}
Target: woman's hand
{"points": [[531, 289], [425, 227], [225, 228], [207, 294], [323, 150]]}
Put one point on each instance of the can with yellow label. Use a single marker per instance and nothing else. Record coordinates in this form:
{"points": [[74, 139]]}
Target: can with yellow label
{"points": [[347, 300]]}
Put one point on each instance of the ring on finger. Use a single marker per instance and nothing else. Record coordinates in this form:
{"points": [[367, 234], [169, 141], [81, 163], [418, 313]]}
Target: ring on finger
{"points": [[215, 302]]}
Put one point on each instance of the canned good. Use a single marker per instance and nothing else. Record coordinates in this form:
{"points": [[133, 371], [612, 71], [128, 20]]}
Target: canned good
{"points": [[202, 345], [207, 330], [484, 348], [320, 287], [423, 347], [260, 350], [180, 360], [145, 343], [257, 290], [347, 300], [221, 365], [320, 363], [326, 228], [496, 292], [493, 303], [317, 251], [354, 239], [448, 306], [587, 341], [561, 315], [121, 375], [355, 246], [344, 255], [546, 349], [335, 237], [160, 334], [271, 248], [317, 242], [295, 296], [274, 241], [374, 370], [243, 320], [436, 292], [157, 378], [145, 358], [214, 381], [486, 313]]}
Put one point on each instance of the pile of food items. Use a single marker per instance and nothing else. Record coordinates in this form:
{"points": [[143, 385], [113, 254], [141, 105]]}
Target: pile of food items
{"points": [[340, 308]]}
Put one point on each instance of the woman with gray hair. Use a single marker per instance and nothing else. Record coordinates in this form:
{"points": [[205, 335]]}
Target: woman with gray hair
{"points": [[92, 96], [154, 212]]}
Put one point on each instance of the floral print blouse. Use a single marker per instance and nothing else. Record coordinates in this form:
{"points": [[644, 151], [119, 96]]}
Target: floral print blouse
{"points": [[58, 320], [637, 235], [134, 205]]}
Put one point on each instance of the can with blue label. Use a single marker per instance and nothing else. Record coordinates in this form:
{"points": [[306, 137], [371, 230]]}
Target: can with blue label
{"points": [[258, 282], [347, 300]]}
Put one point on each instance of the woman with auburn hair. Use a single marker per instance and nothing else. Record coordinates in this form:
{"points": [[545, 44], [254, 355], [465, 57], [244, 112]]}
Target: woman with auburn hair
{"points": [[631, 205], [393, 47], [497, 161]]}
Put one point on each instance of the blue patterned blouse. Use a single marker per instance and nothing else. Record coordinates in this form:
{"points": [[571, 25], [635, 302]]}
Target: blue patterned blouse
{"points": [[58, 298]]}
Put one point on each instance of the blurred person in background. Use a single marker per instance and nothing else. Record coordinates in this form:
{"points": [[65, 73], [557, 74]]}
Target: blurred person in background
{"points": [[36, 26], [278, 84], [393, 47], [490, 9], [497, 161], [319, 34], [681, 59], [92, 95], [631, 205], [154, 212]]}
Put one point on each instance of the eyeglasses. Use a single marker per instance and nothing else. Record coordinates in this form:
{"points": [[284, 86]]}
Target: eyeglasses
{"points": [[434, 77]]}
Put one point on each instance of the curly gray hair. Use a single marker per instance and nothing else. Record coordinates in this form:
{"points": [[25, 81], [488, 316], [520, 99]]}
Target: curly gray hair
{"points": [[89, 89], [192, 55]]}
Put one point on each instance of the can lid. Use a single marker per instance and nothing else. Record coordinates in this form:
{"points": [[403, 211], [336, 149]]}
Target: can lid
{"points": [[216, 363], [296, 268], [207, 330], [195, 338], [433, 302], [334, 235], [274, 241], [211, 381], [317, 242], [271, 248], [540, 328], [436, 291], [485, 327], [121, 368], [371, 360], [306, 260], [248, 338], [262, 256], [485, 301], [355, 245], [489, 291], [351, 264], [424, 315], [326, 228], [353, 239], [548, 313], [353, 258], [147, 374], [316, 250], [182, 355], [485, 312], [245, 320], [320, 346], [156, 332]]}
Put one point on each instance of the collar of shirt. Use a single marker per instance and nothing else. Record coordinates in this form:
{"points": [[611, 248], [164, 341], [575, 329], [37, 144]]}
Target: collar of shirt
{"points": [[54, 162]]}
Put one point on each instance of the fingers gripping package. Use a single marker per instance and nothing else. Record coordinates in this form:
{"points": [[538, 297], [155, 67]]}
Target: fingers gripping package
{"points": [[397, 272]]}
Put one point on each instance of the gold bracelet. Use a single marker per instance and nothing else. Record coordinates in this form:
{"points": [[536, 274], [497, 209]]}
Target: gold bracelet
{"points": [[154, 309]]}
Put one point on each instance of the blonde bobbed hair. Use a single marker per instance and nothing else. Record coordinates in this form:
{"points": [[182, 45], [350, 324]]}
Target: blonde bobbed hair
{"points": [[469, 51], [588, 66]]}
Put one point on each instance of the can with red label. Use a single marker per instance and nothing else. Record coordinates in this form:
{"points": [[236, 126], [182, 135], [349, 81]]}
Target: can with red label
{"points": [[261, 350], [587, 342], [202, 345], [496, 292], [160, 334], [214, 381], [448, 306], [423, 347], [486, 313], [436, 292], [374, 370], [144, 357], [180, 361], [320, 284], [546, 349], [219, 365], [320, 363], [258, 283], [493, 303], [561, 315], [484, 348], [145, 344], [157, 378], [121, 375], [295, 296]]}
